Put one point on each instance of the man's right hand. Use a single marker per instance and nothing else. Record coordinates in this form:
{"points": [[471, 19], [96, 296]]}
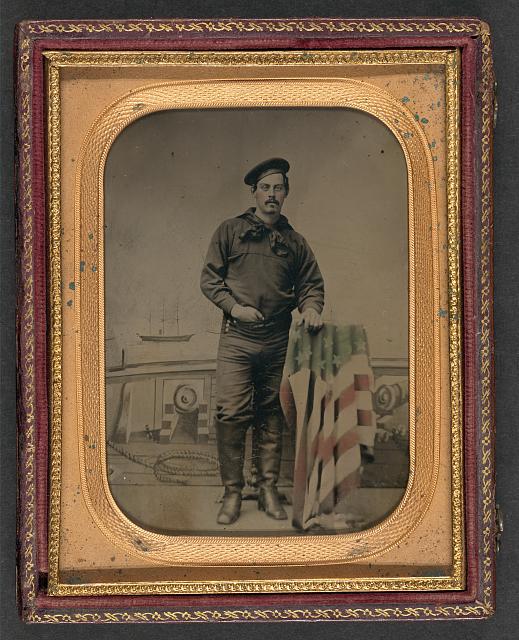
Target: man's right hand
{"points": [[246, 314]]}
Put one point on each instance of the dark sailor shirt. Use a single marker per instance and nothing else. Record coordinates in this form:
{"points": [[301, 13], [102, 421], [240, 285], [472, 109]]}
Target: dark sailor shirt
{"points": [[271, 269]]}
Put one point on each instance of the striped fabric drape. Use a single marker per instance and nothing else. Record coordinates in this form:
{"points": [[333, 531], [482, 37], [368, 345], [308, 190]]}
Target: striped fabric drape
{"points": [[327, 397]]}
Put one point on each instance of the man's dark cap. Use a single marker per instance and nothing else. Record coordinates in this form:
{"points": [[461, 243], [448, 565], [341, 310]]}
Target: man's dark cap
{"points": [[265, 168]]}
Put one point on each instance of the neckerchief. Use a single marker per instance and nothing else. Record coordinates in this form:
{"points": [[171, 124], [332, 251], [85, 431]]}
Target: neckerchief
{"points": [[259, 230]]}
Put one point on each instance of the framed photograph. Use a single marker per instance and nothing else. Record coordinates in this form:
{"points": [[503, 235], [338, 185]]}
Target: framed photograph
{"points": [[255, 320]]}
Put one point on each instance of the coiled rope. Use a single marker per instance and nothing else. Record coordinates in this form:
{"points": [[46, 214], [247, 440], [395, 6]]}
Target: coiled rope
{"points": [[194, 463]]}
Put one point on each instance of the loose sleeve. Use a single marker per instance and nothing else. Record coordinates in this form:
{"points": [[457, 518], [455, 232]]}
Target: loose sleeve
{"points": [[212, 279], [309, 283]]}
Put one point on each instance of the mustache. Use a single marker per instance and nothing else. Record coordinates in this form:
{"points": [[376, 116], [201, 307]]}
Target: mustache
{"points": [[272, 201]]}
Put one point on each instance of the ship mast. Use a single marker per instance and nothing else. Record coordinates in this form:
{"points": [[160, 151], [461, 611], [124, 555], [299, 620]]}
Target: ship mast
{"points": [[163, 318]]}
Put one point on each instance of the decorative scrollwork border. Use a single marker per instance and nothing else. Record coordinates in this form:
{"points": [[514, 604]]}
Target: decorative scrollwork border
{"points": [[229, 26], [322, 614], [312, 58], [487, 470], [26, 336], [447, 58], [54, 206], [454, 289]]}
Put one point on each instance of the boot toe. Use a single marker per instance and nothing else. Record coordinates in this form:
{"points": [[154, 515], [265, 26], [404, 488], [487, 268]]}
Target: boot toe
{"points": [[230, 510], [226, 518], [281, 514], [269, 502]]}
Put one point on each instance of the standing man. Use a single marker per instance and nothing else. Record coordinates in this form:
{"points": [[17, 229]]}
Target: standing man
{"points": [[258, 269]]}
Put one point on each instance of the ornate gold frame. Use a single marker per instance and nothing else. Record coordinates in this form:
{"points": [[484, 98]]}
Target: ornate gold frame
{"points": [[155, 98]]}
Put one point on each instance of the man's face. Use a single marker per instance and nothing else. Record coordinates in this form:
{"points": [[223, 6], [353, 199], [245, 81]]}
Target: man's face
{"points": [[270, 194]]}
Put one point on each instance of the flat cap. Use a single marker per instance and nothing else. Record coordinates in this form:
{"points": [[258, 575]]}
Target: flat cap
{"points": [[265, 168]]}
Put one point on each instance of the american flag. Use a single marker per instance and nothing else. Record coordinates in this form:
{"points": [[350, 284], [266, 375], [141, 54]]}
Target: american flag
{"points": [[327, 396]]}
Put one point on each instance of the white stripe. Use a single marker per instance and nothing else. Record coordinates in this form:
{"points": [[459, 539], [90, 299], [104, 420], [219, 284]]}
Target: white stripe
{"points": [[299, 386], [347, 419], [367, 435], [343, 379], [311, 506], [348, 462], [314, 421], [364, 400], [329, 426], [327, 480]]}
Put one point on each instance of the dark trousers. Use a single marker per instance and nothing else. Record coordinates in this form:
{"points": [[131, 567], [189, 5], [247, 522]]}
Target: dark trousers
{"points": [[248, 372], [248, 377]]}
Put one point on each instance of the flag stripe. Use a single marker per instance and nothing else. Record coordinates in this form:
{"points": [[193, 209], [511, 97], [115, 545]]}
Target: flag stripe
{"points": [[361, 382], [332, 408], [364, 417]]}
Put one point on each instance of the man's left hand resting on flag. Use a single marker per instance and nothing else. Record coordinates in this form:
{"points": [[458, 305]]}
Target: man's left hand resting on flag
{"points": [[311, 320]]}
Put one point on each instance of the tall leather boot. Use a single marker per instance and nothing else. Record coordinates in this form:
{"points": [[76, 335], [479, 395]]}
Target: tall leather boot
{"points": [[254, 463], [230, 439], [270, 446]]}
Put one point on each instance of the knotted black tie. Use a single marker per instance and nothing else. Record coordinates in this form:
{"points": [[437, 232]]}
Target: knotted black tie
{"points": [[258, 230]]}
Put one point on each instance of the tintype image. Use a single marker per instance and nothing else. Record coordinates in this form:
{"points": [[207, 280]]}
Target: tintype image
{"points": [[256, 321]]}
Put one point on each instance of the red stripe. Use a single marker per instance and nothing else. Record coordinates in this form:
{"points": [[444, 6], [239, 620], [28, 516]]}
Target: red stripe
{"points": [[326, 448], [300, 489], [349, 440], [339, 491], [314, 447], [288, 405], [361, 382], [364, 417]]}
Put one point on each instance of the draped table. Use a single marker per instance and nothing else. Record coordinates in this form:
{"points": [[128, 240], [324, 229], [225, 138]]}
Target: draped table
{"points": [[326, 395]]}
